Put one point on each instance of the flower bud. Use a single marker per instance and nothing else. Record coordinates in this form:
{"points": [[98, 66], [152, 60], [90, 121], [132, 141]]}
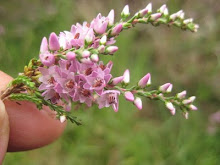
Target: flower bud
{"points": [[149, 8], [101, 49], [111, 17], [173, 16], [193, 107], [117, 29], [166, 88], [117, 80], [54, 42], [86, 54], [125, 12], [126, 76], [86, 61], [44, 45], [189, 100], [170, 106], [181, 95], [189, 20], [94, 57], [166, 12], [47, 59], [146, 10], [129, 96], [196, 27], [111, 49], [186, 115], [62, 119], [192, 98], [138, 103], [70, 56], [146, 80], [89, 37], [180, 14], [162, 8], [103, 40], [155, 16]]}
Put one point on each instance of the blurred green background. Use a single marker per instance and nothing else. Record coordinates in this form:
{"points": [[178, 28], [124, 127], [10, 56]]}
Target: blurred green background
{"points": [[190, 61]]}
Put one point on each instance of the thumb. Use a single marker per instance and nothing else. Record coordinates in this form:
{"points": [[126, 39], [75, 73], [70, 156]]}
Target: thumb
{"points": [[4, 131]]}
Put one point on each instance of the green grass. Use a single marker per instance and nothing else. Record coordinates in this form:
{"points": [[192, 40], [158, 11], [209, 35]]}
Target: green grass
{"points": [[129, 137]]}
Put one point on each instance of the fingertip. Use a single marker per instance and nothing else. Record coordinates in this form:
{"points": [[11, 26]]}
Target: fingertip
{"points": [[4, 131], [31, 128], [5, 79]]}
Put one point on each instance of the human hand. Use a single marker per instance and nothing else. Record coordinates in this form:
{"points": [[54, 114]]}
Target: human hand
{"points": [[23, 126]]}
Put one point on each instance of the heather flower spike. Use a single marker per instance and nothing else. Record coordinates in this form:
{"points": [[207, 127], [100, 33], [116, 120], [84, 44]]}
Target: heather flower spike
{"points": [[69, 71]]}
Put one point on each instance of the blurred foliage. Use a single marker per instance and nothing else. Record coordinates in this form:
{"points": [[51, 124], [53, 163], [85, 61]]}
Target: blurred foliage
{"points": [[190, 61]]}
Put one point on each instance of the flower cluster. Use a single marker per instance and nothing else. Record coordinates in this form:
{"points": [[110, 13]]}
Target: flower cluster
{"points": [[70, 70]]}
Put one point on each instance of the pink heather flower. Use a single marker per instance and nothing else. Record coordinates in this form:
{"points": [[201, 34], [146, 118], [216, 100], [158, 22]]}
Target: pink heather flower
{"points": [[117, 29], [80, 33], [155, 16], [181, 95], [94, 58], [65, 67], [48, 82], [146, 80], [117, 80], [48, 78], [54, 42], [126, 76], [166, 88], [97, 80], [109, 98], [65, 39], [193, 107], [62, 119], [67, 85], [111, 49], [71, 56], [83, 95], [138, 103], [44, 45], [47, 59], [129, 96], [99, 24], [86, 54], [170, 106], [111, 17]]}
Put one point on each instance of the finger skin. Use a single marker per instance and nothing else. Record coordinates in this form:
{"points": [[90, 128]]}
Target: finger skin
{"points": [[29, 127], [4, 131]]}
